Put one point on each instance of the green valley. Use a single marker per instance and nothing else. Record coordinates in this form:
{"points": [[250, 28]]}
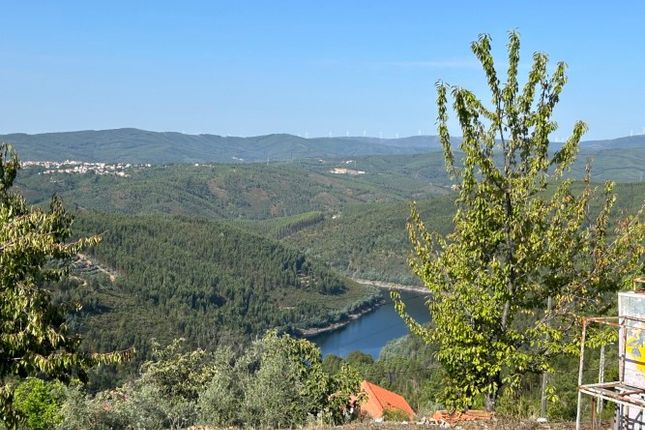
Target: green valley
{"points": [[219, 253], [205, 281]]}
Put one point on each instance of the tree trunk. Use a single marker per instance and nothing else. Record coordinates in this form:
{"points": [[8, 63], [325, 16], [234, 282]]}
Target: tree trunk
{"points": [[491, 400]]}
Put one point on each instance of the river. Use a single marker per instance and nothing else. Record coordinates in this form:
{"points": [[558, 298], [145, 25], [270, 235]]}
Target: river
{"points": [[372, 331]]}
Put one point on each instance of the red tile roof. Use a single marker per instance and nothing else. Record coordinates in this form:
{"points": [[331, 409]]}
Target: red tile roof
{"points": [[379, 399]]}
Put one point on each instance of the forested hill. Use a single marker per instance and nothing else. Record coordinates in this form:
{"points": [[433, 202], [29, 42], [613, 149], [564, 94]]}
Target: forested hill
{"points": [[370, 240], [202, 280], [141, 146], [253, 191], [278, 189]]}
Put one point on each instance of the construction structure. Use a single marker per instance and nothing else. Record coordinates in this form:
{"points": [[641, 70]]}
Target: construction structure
{"points": [[627, 392]]}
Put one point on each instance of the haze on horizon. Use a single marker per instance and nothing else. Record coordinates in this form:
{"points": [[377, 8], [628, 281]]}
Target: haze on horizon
{"points": [[255, 68]]}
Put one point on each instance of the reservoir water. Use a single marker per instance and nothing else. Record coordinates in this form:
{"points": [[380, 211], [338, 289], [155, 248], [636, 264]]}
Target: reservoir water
{"points": [[372, 331]]}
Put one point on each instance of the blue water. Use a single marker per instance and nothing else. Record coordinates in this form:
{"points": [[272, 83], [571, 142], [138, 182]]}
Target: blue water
{"points": [[372, 331]]}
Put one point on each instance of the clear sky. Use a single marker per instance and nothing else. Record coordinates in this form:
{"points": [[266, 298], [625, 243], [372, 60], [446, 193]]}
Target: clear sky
{"points": [[303, 67]]}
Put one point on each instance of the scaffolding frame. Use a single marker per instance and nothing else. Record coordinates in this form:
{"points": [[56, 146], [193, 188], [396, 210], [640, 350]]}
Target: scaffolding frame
{"points": [[617, 392]]}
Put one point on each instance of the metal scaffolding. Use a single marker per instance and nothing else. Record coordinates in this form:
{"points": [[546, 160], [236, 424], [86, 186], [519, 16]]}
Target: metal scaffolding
{"points": [[628, 392]]}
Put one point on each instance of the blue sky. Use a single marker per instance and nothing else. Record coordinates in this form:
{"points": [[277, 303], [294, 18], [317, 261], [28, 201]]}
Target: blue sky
{"points": [[302, 67]]}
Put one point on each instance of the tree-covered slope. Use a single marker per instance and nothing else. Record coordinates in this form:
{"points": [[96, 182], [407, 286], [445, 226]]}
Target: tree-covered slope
{"points": [[623, 162], [370, 241], [261, 191], [203, 280], [254, 191]]}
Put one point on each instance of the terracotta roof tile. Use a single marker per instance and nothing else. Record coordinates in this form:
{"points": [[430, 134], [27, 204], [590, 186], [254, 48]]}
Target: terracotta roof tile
{"points": [[380, 399]]}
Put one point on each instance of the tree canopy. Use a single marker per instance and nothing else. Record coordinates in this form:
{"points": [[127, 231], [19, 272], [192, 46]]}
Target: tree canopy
{"points": [[33, 252], [530, 253]]}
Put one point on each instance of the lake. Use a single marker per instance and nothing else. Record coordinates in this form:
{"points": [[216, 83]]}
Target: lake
{"points": [[372, 331]]}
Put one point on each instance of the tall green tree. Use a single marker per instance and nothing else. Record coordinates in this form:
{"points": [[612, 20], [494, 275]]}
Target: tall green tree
{"points": [[524, 236], [34, 252]]}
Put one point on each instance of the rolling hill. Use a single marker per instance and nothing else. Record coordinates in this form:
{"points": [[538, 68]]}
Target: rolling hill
{"points": [[370, 240], [279, 189], [254, 191], [141, 146]]}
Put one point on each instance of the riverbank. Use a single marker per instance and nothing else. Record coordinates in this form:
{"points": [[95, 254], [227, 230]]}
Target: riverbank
{"points": [[391, 285], [352, 316]]}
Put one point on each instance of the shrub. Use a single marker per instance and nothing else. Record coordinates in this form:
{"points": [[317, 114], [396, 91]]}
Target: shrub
{"points": [[147, 406], [395, 415], [278, 382], [219, 404], [38, 402]]}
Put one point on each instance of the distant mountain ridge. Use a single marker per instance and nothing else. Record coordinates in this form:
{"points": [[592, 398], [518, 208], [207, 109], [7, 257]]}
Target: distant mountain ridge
{"points": [[637, 141], [141, 146]]}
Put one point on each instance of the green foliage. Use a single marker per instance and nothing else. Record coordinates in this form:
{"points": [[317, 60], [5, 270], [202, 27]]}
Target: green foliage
{"points": [[522, 237], [78, 413], [396, 415], [164, 396], [358, 359], [220, 402], [134, 405], [332, 363], [148, 406], [357, 224], [38, 403], [178, 374], [290, 386], [277, 382], [369, 241], [33, 252], [281, 227]]}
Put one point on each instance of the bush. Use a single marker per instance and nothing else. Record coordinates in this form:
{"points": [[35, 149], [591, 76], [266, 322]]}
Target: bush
{"points": [[146, 406], [133, 406], [395, 415], [278, 382], [38, 403], [82, 412], [219, 404]]}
